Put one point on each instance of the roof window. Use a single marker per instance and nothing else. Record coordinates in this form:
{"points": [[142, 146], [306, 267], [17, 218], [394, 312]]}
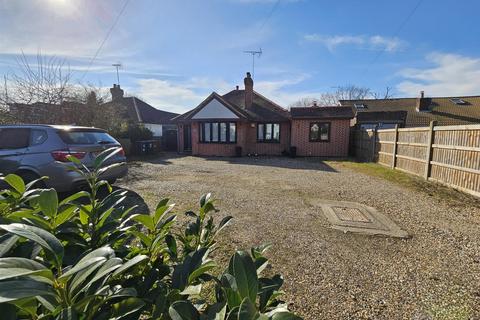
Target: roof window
{"points": [[458, 101]]}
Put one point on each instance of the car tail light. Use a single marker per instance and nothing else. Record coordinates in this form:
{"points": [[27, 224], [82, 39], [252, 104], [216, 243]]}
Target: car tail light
{"points": [[61, 155], [122, 152]]}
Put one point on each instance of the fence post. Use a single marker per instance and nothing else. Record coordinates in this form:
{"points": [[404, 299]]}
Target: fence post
{"points": [[395, 139], [429, 150], [374, 146]]}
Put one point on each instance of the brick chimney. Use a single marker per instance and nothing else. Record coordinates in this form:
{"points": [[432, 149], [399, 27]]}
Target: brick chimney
{"points": [[248, 81], [117, 92], [422, 104]]}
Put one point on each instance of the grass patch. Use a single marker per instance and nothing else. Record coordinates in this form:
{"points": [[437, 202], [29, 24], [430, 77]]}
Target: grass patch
{"points": [[413, 182]]}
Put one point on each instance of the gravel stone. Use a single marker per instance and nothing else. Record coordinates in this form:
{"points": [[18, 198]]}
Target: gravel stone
{"points": [[330, 274]]}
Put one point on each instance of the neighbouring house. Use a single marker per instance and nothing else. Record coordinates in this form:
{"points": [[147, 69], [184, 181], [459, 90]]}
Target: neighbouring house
{"points": [[415, 112], [158, 121], [244, 122]]}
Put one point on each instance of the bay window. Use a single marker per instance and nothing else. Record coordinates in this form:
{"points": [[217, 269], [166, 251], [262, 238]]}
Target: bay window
{"points": [[218, 132]]}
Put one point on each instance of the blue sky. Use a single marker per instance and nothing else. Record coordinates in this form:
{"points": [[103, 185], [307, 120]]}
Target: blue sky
{"points": [[175, 52]]}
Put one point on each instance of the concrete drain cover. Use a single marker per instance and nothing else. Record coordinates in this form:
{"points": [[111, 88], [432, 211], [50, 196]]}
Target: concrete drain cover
{"points": [[355, 217]]}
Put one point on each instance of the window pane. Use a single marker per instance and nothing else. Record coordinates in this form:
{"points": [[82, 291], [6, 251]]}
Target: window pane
{"points": [[314, 131], [38, 137], [215, 131], [233, 132], [268, 132], [276, 132], [223, 132], [14, 138], [324, 131], [206, 127], [86, 137], [260, 131]]}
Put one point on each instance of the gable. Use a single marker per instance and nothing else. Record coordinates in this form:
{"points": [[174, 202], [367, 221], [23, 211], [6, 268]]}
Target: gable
{"points": [[215, 110]]}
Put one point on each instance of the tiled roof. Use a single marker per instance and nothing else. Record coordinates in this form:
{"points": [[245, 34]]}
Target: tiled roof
{"points": [[322, 113], [262, 109], [143, 112], [441, 109], [382, 116]]}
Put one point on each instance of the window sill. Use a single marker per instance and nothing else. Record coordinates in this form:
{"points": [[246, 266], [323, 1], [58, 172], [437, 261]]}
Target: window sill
{"points": [[262, 141], [217, 142]]}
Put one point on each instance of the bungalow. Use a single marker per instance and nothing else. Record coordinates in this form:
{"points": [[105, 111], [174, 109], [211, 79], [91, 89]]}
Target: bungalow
{"points": [[158, 121], [244, 122], [415, 112]]}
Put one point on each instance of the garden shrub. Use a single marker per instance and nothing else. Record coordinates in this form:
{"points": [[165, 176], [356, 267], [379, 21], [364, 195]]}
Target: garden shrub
{"points": [[87, 257]]}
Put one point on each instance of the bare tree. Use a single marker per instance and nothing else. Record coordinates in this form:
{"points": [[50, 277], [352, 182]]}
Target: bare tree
{"points": [[43, 91], [303, 102], [387, 94], [346, 92], [48, 80]]}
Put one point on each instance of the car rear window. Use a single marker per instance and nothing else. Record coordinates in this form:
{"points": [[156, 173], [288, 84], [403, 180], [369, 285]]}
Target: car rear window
{"points": [[86, 137], [14, 138]]}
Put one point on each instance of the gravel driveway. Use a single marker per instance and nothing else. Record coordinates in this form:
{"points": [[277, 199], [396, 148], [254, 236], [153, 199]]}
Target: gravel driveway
{"points": [[329, 274]]}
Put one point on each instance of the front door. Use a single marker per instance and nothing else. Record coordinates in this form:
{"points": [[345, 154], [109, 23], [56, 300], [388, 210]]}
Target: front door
{"points": [[187, 137], [170, 140]]}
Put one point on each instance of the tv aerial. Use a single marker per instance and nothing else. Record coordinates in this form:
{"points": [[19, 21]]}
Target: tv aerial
{"points": [[254, 54], [117, 66]]}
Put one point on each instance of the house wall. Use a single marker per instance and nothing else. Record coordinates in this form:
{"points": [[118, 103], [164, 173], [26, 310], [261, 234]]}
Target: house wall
{"points": [[267, 148], [246, 138], [336, 147], [217, 149]]}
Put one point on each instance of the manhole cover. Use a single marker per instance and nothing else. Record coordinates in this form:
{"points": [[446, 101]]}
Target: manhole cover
{"points": [[350, 214], [356, 217]]}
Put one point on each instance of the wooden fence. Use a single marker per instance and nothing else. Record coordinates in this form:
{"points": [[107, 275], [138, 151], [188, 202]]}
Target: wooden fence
{"points": [[449, 155]]}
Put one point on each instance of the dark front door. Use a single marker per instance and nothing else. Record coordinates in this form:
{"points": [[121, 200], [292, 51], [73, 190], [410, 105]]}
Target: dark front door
{"points": [[170, 140], [187, 137]]}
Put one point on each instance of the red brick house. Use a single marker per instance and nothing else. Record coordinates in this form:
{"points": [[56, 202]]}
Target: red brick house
{"points": [[244, 122]]}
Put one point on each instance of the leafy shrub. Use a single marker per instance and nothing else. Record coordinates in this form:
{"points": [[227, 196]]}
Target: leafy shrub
{"points": [[90, 258], [137, 132]]}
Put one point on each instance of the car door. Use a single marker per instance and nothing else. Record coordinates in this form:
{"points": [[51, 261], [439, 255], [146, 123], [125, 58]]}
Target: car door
{"points": [[13, 146]]}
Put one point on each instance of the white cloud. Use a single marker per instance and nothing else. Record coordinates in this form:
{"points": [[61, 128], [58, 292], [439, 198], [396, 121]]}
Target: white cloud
{"points": [[182, 96], [375, 42], [449, 75], [177, 96]]}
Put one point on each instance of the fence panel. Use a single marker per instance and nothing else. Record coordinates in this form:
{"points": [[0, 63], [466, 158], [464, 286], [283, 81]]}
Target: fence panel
{"points": [[446, 154]]}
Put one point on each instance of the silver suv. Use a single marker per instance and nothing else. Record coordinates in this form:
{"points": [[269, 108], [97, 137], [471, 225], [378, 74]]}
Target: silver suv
{"points": [[33, 151]]}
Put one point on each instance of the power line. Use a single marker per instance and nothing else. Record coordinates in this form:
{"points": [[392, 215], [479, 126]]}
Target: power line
{"points": [[269, 15], [399, 29], [106, 38]]}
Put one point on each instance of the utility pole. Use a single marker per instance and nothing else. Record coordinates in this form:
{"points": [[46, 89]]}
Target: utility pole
{"points": [[254, 53], [117, 66]]}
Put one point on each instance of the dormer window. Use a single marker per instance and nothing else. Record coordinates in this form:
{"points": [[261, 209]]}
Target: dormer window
{"points": [[458, 101], [360, 106]]}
